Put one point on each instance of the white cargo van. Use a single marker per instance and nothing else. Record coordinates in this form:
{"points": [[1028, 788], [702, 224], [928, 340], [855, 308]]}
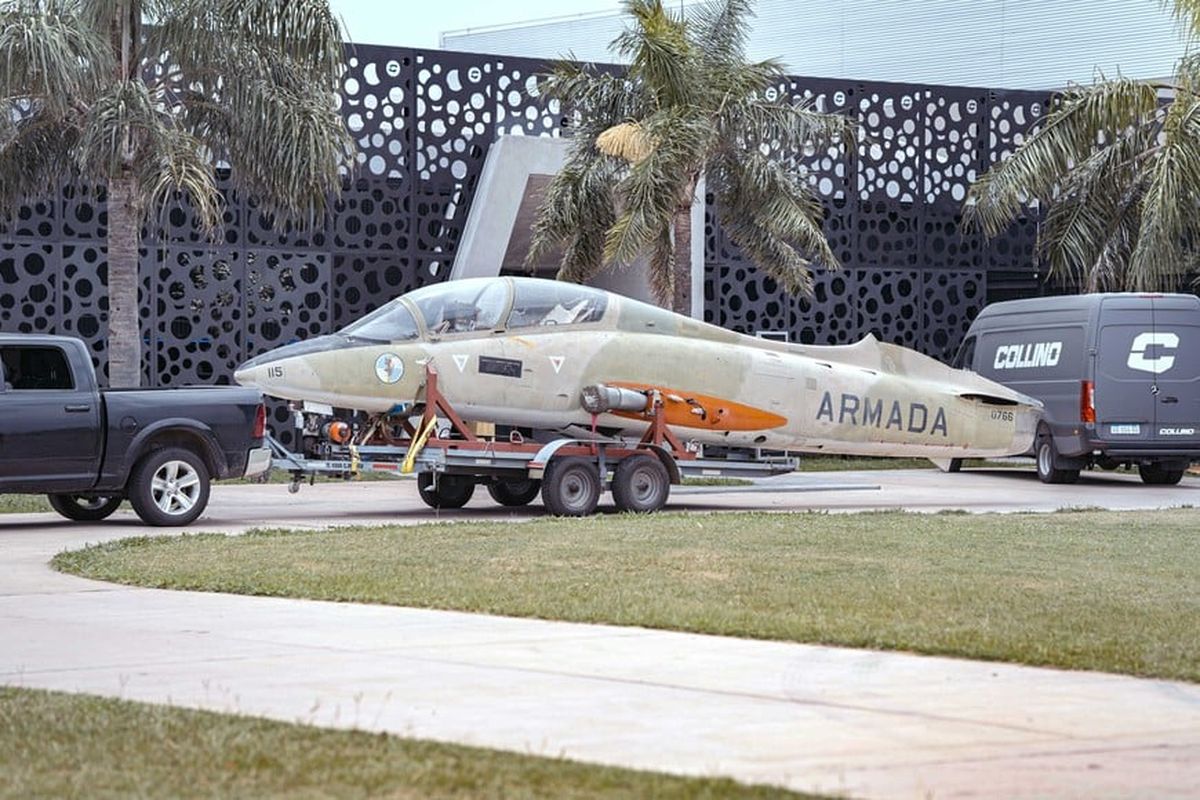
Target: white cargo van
{"points": [[1119, 375]]}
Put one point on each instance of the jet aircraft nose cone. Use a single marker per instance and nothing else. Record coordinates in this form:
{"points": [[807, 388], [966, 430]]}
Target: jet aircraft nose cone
{"points": [[246, 375], [254, 372]]}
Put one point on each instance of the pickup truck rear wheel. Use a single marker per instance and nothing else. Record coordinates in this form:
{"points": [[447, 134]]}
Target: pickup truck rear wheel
{"points": [[169, 487], [450, 491], [514, 492], [84, 509]]}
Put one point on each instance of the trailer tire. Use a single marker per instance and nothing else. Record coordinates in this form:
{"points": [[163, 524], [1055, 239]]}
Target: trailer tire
{"points": [[450, 491], [571, 487], [169, 487], [84, 509], [514, 492], [641, 484], [1159, 475]]}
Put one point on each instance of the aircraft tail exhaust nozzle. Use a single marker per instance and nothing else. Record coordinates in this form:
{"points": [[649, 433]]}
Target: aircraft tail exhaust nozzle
{"points": [[598, 399]]}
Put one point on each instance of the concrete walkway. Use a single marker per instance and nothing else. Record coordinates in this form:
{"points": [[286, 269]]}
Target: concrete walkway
{"points": [[806, 717]]}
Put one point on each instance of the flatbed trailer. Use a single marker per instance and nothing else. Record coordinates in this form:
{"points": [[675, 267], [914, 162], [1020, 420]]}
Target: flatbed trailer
{"points": [[449, 460]]}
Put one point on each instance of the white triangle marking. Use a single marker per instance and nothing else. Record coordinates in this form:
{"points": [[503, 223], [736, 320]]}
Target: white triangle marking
{"points": [[461, 362], [556, 362]]}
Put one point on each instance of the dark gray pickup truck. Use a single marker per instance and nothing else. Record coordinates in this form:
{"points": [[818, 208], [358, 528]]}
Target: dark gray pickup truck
{"points": [[88, 449]]}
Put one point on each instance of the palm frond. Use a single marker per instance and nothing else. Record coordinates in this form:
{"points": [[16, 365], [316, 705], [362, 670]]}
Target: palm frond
{"points": [[1186, 14], [176, 164], [1075, 125], [771, 214], [1081, 235], [723, 28], [659, 184], [689, 105], [786, 127], [662, 260], [34, 154], [658, 51], [599, 96], [50, 53], [305, 33], [1168, 225], [577, 210], [265, 103], [773, 254], [287, 147], [123, 117]]}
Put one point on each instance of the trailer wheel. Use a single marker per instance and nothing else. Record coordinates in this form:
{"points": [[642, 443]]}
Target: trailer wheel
{"points": [[169, 487], [1047, 460], [641, 484], [450, 491], [514, 491], [571, 487], [1159, 475], [84, 509]]}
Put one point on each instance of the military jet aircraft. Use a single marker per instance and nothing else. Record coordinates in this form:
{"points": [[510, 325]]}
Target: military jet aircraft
{"points": [[552, 355]]}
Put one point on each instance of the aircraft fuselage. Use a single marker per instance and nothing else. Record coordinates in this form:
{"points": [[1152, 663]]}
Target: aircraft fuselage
{"points": [[718, 387]]}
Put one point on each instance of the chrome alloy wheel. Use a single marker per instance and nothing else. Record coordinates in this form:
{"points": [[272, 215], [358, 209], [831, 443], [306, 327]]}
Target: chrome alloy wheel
{"points": [[175, 487], [1045, 458]]}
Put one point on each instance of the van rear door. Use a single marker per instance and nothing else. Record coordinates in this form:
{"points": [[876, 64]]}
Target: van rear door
{"points": [[1173, 351], [1124, 387]]}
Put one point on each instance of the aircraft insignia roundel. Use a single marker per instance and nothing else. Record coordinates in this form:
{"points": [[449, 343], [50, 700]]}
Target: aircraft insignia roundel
{"points": [[389, 368]]}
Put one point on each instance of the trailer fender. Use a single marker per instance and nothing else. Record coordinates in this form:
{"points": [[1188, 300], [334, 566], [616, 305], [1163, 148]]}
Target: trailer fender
{"points": [[668, 461], [538, 465]]}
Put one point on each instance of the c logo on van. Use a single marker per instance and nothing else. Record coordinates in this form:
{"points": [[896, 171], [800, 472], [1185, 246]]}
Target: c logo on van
{"points": [[1157, 363]]}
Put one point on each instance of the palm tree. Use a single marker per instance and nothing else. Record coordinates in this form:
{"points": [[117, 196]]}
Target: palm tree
{"points": [[1117, 166], [689, 106], [145, 97]]}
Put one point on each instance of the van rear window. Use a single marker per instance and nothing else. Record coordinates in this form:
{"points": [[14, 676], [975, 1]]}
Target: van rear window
{"points": [[1147, 351]]}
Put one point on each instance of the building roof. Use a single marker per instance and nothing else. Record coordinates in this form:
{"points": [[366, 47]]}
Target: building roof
{"points": [[1014, 44]]}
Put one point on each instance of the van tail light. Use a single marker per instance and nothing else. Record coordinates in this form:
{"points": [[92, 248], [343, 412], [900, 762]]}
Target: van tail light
{"points": [[1087, 402], [260, 422]]}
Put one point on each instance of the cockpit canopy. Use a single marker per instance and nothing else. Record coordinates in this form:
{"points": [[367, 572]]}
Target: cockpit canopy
{"points": [[481, 305]]}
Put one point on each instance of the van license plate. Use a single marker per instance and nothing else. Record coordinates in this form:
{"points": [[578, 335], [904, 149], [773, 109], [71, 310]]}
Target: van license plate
{"points": [[1126, 430]]}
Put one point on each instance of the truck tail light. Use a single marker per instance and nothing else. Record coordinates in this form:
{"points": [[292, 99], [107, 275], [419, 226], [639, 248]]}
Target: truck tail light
{"points": [[1087, 402], [260, 422]]}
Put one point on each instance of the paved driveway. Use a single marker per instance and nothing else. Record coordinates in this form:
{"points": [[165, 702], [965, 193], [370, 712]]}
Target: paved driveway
{"points": [[815, 718], [239, 507]]}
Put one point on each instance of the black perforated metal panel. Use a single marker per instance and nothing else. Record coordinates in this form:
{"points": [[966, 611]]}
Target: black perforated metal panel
{"points": [[423, 122]]}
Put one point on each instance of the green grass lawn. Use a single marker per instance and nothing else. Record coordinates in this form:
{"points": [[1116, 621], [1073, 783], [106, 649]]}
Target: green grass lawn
{"points": [[62, 745], [1090, 590], [23, 503]]}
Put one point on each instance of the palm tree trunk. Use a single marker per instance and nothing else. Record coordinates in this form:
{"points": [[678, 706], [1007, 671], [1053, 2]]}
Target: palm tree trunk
{"points": [[681, 299], [124, 338]]}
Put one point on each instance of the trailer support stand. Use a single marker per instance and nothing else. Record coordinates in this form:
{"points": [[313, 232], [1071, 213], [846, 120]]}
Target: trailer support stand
{"points": [[435, 401]]}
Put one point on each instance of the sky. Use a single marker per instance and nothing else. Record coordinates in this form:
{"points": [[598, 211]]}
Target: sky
{"points": [[419, 23]]}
